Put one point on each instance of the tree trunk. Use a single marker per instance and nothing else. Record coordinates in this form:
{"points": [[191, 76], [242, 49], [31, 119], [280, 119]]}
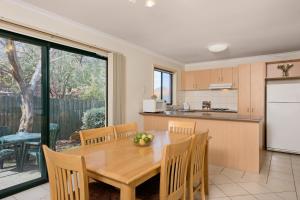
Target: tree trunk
{"points": [[27, 89], [26, 121]]}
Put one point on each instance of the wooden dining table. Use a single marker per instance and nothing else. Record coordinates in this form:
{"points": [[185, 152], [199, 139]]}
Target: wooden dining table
{"points": [[123, 164]]}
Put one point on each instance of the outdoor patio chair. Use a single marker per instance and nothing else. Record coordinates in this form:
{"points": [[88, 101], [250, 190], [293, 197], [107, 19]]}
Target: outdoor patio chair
{"points": [[34, 148], [7, 151]]}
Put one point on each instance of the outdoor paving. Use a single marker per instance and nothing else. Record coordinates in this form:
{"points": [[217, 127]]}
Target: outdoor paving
{"points": [[9, 176]]}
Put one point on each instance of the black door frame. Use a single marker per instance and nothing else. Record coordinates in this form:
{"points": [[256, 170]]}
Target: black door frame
{"points": [[45, 48]]}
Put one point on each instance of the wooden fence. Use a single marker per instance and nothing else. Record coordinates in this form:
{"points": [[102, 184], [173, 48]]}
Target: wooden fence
{"points": [[65, 112]]}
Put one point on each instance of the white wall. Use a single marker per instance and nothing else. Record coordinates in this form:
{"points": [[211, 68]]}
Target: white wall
{"points": [[139, 61], [245, 60]]}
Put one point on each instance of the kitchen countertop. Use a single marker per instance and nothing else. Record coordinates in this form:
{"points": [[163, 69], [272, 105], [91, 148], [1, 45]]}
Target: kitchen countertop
{"points": [[206, 115]]}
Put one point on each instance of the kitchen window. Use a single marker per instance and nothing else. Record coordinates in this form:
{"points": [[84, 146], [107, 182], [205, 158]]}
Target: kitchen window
{"points": [[163, 85]]}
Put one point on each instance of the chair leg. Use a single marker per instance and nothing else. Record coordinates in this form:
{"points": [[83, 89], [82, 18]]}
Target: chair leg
{"points": [[202, 191], [1, 164]]}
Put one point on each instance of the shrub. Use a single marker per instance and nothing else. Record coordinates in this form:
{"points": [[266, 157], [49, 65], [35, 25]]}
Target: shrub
{"points": [[93, 118]]}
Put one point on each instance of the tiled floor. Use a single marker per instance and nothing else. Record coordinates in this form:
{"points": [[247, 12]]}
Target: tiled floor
{"points": [[279, 180]]}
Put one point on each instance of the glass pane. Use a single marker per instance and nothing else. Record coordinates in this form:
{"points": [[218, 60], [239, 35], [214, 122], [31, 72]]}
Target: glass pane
{"points": [[20, 112], [157, 84], [167, 87], [77, 97]]}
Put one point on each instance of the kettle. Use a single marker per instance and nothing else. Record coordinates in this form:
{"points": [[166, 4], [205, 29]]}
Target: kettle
{"points": [[186, 106]]}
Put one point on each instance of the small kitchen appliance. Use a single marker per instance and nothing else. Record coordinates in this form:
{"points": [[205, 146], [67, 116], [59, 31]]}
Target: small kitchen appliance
{"points": [[152, 105]]}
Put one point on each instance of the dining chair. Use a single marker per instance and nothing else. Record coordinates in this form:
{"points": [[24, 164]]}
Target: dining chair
{"points": [[68, 178], [96, 135], [187, 127], [173, 172], [196, 172], [125, 130]]}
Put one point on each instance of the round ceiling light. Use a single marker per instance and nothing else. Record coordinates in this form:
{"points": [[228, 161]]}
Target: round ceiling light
{"points": [[150, 3], [219, 47]]}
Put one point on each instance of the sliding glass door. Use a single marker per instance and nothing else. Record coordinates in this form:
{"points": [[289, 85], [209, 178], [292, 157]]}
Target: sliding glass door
{"points": [[77, 96], [48, 93], [21, 112]]}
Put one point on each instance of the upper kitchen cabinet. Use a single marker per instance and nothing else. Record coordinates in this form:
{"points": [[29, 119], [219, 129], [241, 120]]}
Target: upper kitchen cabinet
{"points": [[244, 97], [215, 75], [195, 80], [274, 72], [223, 75], [258, 75], [235, 77], [188, 80], [252, 89], [202, 79]]}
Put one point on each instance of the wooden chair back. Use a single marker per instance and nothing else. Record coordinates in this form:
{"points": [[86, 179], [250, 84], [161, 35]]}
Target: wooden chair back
{"points": [[196, 167], [174, 170], [96, 135], [67, 176], [125, 130], [181, 127]]}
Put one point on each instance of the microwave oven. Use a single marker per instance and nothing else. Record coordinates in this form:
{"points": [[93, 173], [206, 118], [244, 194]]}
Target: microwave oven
{"points": [[151, 105]]}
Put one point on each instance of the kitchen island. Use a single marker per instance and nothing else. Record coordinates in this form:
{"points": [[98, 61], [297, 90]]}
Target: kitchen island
{"points": [[236, 141]]}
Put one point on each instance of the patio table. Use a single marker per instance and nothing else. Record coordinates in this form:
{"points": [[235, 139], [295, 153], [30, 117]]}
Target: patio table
{"points": [[19, 139]]}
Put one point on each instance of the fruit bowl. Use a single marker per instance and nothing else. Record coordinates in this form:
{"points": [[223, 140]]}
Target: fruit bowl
{"points": [[143, 139]]}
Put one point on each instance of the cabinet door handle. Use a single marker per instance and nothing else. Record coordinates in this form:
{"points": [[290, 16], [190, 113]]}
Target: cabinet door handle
{"points": [[252, 110], [248, 109]]}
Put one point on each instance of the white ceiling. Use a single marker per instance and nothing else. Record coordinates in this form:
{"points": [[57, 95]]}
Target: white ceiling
{"points": [[182, 29]]}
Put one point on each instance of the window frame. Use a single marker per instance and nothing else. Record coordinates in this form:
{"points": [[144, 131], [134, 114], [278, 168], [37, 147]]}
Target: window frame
{"points": [[45, 82], [163, 71]]}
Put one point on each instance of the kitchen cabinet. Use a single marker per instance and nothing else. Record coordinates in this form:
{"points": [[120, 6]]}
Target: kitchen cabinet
{"points": [[235, 77], [223, 75], [188, 80], [258, 75], [251, 96], [226, 75], [195, 80], [215, 75], [274, 72], [202, 79], [241, 142], [244, 97]]}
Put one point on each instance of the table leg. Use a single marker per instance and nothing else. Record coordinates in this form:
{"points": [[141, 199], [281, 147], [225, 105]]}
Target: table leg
{"points": [[127, 192]]}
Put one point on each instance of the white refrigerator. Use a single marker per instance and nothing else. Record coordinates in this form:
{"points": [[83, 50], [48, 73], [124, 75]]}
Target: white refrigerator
{"points": [[283, 116]]}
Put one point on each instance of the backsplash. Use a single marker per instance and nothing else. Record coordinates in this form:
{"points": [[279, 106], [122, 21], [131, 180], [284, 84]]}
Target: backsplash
{"points": [[219, 98]]}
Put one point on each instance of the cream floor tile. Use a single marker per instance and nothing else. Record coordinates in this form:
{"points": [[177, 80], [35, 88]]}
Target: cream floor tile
{"points": [[36, 193], [287, 195], [282, 168], [270, 196], [214, 169], [255, 188], [220, 198], [246, 197], [233, 189], [220, 179], [277, 185], [281, 176], [215, 192], [233, 174], [254, 177], [9, 198], [278, 155]]}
